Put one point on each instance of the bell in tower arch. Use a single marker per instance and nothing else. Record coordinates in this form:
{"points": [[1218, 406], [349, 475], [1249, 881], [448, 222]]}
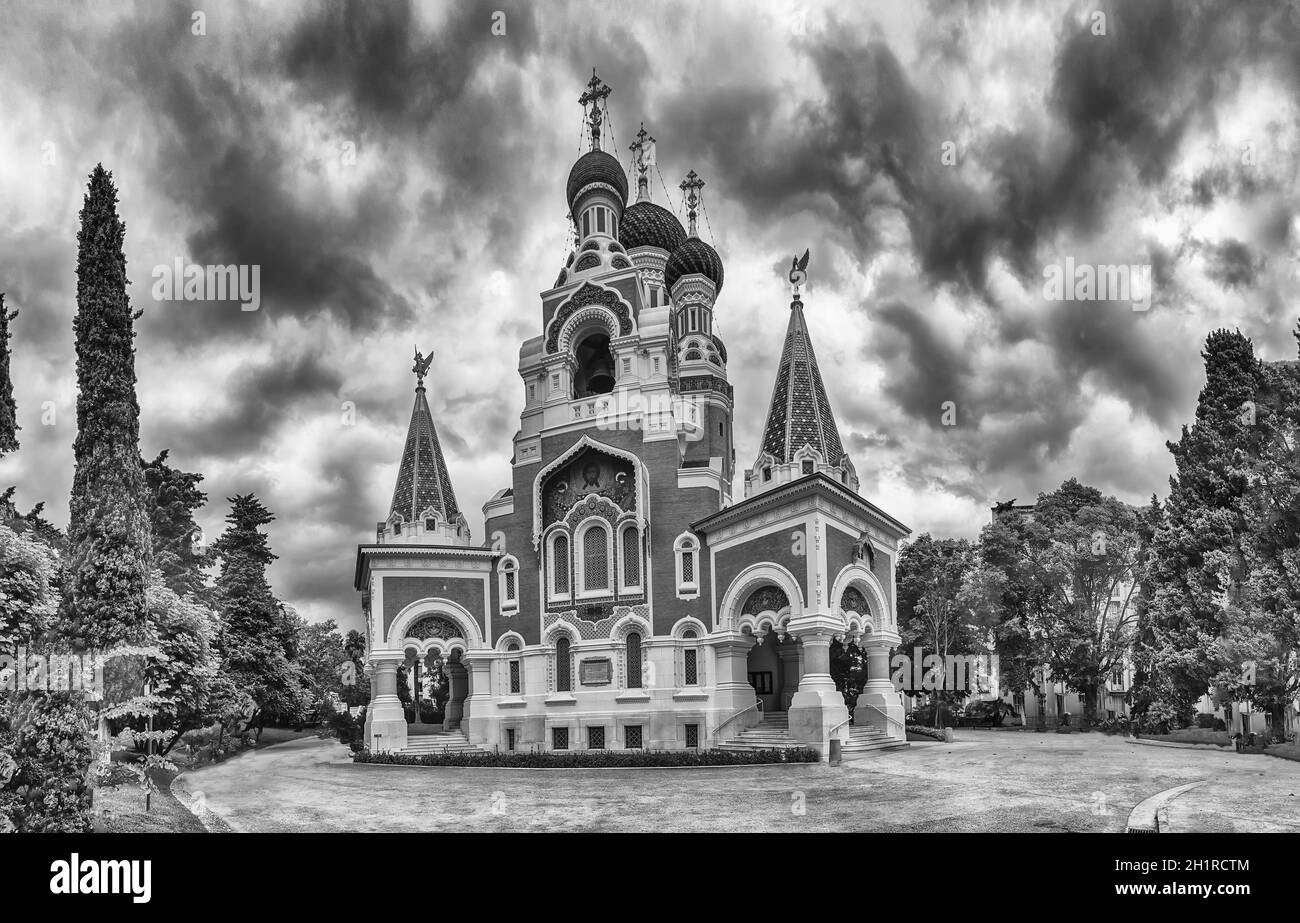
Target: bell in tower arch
{"points": [[595, 366]]}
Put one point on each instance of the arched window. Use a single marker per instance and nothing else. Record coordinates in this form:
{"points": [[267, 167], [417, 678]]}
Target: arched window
{"points": [[686, 554], [690, 659], [595, 562], [508, 585], [634, 661], [559, 566], [563, 666], [630, 555]]}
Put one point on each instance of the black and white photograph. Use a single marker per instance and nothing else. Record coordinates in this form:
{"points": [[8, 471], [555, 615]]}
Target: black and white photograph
{"points": [[675, 418]]}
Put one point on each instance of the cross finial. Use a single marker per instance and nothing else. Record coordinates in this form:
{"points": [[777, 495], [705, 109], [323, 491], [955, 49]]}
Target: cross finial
{"points": [[644, 148], [691, 186], [597, 92], [798, 274], [421, 366]]}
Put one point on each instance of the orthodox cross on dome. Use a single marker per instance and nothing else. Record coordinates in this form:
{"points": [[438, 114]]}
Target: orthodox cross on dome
{"points": [[597, 92], [421, 366], [691, 186], [644, 150], [798, 273]]}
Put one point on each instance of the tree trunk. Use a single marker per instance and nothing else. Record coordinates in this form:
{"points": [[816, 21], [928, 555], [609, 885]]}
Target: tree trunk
{"points": [[1090, 692]]}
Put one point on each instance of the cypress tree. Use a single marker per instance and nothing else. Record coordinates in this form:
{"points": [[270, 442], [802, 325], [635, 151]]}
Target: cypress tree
{"points": [[173, 497], [8, 425], [257, 637], [1195, 547], [108, 528]]}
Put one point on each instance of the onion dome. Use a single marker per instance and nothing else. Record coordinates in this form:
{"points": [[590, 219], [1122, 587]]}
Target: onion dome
{"points": [[646, 224], [693, 256], [596, 167]]}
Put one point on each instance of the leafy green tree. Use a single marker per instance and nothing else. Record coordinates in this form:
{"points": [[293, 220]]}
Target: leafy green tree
{"points": [[8, 410], [108, 528], [932, 613], [182, 677], [257, 637], [356, 684], [29, 597], [1072, 567]]}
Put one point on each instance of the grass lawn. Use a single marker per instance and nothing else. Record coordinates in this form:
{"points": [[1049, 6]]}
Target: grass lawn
{"points": [[121, 809]]}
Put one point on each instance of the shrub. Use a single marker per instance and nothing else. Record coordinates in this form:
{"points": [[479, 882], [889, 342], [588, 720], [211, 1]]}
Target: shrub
{"points": [[347, 729], [45, 758], [933, 733], [591, 759], [430, 713], [1205, 720]]}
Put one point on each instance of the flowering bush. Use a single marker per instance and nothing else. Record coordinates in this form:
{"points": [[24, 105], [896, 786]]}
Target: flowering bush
{"points": [[45, 758]]}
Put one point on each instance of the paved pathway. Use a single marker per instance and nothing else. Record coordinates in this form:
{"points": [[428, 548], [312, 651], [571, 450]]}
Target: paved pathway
{"points": [[984, 781]]}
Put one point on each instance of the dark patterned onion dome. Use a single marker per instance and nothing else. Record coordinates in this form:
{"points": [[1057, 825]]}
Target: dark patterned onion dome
{"points": [[596, 167], [691, 257], [646, 224]]}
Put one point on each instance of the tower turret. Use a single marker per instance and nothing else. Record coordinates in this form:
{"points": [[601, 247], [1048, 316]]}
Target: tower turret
{"points": [[800, 437], [424, 508]]}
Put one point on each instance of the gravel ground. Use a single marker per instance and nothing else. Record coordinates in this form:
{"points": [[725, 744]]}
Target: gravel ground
{"points": [[1008, 781]]}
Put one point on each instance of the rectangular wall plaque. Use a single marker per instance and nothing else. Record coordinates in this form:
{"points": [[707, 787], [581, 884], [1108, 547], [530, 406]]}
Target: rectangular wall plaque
{"points": [[595, 672]]}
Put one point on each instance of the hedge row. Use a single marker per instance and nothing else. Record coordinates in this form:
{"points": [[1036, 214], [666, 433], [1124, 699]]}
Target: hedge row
{"points": [[934, 733], [591, 759]]}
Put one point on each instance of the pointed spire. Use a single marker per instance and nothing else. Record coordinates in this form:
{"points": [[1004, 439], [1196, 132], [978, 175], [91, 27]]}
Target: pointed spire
{"points": [[691, 187], [800, 413], [597, 92], [422, 479]]}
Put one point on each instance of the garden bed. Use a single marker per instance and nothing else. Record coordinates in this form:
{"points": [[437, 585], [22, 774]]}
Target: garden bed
{"points": [[591, 759]]}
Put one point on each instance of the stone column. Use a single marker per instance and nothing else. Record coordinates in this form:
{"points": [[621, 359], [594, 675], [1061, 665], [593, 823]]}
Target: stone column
{"points": [[817, 710], [478, 713], [880, 704], [385, 718], [791, 655], [733, 691], [458, 681]]}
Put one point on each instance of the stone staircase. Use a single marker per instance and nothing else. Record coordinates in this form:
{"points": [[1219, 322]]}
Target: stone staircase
{"points": [[869, 737], [773, 732], [440, 742]]}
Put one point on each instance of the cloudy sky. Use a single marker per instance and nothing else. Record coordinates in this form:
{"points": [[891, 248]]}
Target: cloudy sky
{"points": [[934, 158]]}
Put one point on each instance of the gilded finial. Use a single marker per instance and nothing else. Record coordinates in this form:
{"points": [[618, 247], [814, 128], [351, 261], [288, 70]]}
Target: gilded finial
{"points": [[798, 273], [421, 366]]}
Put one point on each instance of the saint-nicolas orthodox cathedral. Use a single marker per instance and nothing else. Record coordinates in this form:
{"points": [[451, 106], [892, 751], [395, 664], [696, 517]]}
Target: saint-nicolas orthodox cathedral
{"points": [[620, 596]]}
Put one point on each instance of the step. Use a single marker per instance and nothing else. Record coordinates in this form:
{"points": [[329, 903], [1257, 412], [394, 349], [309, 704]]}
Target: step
{"points": [[875, 747]]}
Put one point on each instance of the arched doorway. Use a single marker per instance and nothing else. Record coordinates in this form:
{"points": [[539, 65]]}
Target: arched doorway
{"points": [[432, 682], [774, 662]]}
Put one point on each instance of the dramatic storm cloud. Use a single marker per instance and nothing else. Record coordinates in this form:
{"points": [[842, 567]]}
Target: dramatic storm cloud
{"points": [[396, 170]]}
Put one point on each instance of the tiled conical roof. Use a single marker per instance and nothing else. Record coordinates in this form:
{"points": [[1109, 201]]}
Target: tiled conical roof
{"points": [[422, 480], [800, 414]]}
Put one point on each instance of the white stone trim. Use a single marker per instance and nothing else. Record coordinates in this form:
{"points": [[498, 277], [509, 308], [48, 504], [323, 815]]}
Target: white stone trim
{"points": [[638, 466], [625, 588], [749, 580], [553, 595], [471, 635], [579, 551], [882, 619], [688, 543], [509, 603]]}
